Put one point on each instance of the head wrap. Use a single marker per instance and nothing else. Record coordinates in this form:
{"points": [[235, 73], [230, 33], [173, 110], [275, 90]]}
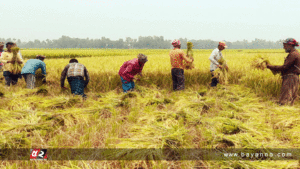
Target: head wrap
{"points": [[291, 41], [176, 42], [142, 57], [222, 43]]}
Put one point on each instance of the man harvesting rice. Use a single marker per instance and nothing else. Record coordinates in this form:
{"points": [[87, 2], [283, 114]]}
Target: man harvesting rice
{"points": [[1, 50], [75, 73], [30, 68], [129, 69], [176, 57], [215, 58], [11, 66], [290, 71]]}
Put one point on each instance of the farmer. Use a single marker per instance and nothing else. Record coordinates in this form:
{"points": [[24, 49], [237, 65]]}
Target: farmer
{"points": [[290, 71], [75, 73], [1, 50], [6, 59], [176, 57], [215, 56], [129, 69], [31, 66]]}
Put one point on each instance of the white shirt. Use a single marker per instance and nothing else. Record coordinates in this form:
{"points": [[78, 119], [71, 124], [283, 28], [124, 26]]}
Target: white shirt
{"points": [[214, 57]]}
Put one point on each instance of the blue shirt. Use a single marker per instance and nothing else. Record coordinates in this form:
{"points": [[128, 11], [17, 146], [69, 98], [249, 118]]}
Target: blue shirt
{"points": [[32, 65]]}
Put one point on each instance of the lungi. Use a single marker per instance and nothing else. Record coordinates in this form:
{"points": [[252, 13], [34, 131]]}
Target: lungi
{"points": [[127, 85], [289, 89], [77, 84], [30, 80], [10, 78], [178, 78]]}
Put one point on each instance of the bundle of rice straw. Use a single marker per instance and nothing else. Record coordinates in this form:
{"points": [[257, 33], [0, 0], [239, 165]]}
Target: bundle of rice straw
{"points": [[16, 67], [260, 62], [189, 54], [222, 73]]}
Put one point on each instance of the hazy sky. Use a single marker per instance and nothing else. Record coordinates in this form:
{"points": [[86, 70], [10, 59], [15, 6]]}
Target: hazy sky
{"points": [[228, 20]]}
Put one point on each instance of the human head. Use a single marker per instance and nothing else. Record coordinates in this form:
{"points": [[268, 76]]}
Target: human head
{"points": [[1, 46], [142, 58], [176, 43], [73, 61], [289, 44], [222, 45], [41, 57], [9, 45]]}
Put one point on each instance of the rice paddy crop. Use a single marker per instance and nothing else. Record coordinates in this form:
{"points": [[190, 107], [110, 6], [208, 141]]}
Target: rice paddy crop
{"points": [[242, 114]]}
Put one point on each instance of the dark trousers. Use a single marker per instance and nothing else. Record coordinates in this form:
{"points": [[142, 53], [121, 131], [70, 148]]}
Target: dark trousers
{"points": [[214, 80], [178, 78], [10, 78]]}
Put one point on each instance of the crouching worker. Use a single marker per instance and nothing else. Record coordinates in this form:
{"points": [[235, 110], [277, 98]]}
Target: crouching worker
{"points": [[75, 73], [129, 69], [30, 68]]}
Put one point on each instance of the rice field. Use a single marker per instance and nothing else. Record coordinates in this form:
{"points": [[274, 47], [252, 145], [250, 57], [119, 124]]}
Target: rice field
{"points": [[241, 114]]}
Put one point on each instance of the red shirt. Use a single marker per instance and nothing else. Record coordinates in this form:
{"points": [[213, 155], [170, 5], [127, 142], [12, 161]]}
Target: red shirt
{"points": [[130, 68]]}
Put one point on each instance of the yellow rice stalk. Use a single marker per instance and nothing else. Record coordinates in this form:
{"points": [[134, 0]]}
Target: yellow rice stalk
{"points": [[261, 63], [16, 67], [189, 54], [222, 74]]}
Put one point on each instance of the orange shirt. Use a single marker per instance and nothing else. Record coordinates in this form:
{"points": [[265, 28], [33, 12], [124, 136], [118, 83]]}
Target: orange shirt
{"points": [[177, 56]]}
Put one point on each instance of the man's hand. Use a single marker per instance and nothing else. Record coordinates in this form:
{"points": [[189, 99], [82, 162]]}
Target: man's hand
{"points": [[220, 66]]}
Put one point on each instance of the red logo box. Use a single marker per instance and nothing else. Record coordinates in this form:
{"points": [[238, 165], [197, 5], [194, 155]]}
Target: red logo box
{"points": [[38, 154]]}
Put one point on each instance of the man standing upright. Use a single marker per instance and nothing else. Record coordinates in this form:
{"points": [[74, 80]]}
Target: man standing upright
{"points": [[176, 57], [7, 60], [214, 58], [129, 69], [29, 69], [1, 50], [290, 71]]}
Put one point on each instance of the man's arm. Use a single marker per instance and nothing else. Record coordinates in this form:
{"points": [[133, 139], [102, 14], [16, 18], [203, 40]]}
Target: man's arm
{"points": [[63, 76], [87, 77], [186, 58], [43, 68], [212, 58], [287, 64]]}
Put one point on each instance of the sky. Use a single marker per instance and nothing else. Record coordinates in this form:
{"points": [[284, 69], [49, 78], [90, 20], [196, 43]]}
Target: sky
{"points": [[228, 20]]}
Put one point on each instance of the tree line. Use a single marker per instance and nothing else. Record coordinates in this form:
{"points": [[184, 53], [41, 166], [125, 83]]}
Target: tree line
{"points": [[143, 42]]}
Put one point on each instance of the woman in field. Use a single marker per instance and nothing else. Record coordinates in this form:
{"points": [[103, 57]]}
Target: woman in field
{"points": [[7, 60]]}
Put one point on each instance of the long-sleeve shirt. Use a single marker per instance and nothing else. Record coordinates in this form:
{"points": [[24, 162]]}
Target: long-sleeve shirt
{"points": [[214, 57], [130, 68], [32, 65], [291, 64], [7, 56], [176, 57], [73, 70]]}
